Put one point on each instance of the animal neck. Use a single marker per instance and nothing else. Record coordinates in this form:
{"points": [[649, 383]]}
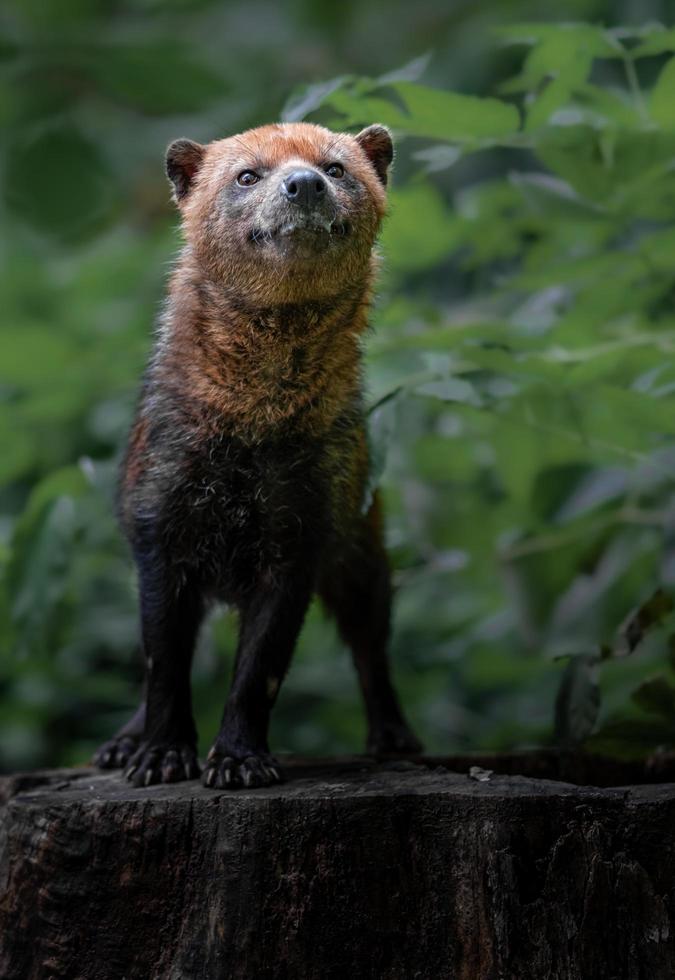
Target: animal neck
{"points": [[255, 368]]}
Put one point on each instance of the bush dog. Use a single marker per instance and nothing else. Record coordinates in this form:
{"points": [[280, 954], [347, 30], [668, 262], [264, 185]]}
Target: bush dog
{"points": [[245, 476]]}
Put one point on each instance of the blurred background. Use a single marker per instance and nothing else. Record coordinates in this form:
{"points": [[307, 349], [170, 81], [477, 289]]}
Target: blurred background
{"points": [[519, 369]]}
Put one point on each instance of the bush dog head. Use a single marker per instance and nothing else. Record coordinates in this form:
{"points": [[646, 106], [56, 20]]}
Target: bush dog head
{"points": [[283, 213]]}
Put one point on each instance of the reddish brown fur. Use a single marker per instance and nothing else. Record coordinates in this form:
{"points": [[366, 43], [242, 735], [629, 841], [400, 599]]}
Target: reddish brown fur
{"points": [[244, 365], [270, 147], [255, 369]]}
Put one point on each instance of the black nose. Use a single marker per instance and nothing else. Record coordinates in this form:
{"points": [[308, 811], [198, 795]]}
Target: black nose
{"points": [[305, 187]]}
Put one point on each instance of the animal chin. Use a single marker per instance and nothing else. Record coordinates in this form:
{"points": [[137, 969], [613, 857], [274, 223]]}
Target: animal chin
{"points": [[300, 231]]}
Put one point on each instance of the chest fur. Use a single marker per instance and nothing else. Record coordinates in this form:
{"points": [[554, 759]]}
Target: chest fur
{"points": [[260, 369]]}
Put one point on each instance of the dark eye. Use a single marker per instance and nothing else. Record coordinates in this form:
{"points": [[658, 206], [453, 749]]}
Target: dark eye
{"points": [[247, 177], [335, 170]]}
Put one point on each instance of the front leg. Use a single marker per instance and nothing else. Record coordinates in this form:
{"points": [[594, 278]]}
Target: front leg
{"points": [[171, 610], [270, 623]]}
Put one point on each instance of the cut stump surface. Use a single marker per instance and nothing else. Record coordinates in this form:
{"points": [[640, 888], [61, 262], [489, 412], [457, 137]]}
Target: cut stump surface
{"points": [[353, 868]]}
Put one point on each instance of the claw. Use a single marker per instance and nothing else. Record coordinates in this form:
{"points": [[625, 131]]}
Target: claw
{"points": [[161, 762], [115, 753], [250, 771]]}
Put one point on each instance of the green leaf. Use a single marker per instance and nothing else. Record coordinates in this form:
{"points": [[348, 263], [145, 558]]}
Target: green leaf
{"points": [[455, 116], [662, 100], [58, 354], [450, 389], [563, 37], [657, 41], [574, 154], [409, 72], [656, 695], [632, 738], [421, 111], [578, 700], [303, 101], [554, 197], [70, 481], [553, 486], [556, 93], [420, 230], [438, 157], [381, 423], [20, 449], [560, 61], [613, 106], [40, 580], [641, 621]]}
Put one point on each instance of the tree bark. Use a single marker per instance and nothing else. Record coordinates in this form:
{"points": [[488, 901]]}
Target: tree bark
{"points": [[353, 869]]}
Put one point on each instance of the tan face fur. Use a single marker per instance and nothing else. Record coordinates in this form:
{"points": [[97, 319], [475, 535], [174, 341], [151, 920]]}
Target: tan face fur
{"points": [[283, 213]]}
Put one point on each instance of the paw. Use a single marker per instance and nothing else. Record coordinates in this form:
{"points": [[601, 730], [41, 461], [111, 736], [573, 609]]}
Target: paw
{"points": [[116, 752], [394, 738], [162, 762], [225, 771]]}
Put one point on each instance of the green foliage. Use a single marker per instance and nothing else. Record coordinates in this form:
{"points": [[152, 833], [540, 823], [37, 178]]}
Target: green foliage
{"points": [[552, 355], [520, 371]]}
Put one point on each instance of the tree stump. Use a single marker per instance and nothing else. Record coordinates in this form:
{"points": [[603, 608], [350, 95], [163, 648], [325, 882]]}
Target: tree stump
{"points": [[353, 868]]}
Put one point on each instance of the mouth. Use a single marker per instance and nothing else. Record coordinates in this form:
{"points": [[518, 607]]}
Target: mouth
{"points": [[302, 230]]}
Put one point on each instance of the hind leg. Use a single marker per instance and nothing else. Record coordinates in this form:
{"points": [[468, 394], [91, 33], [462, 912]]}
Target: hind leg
{"points": [[116, 752], [356, 589]]}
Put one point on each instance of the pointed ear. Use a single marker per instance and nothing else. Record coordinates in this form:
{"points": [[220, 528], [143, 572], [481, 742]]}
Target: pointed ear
{"points": [[375, 141], [183, 160]]}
